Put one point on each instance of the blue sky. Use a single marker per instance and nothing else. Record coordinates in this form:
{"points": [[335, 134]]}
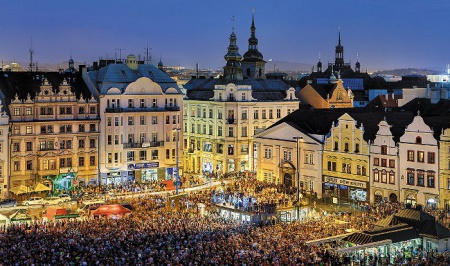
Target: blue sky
{"points": [[386, 33]]}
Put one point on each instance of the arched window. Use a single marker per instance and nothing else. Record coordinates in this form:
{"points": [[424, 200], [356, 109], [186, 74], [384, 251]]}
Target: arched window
{"points": [[248, 72], [260, 73], [418, 140]]}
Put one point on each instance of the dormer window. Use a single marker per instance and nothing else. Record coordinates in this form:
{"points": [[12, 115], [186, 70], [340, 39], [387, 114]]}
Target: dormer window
{"points": [[243, 96], [418, 140]]}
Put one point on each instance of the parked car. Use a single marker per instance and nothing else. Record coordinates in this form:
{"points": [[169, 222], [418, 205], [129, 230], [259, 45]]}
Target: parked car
{"points": [[34, 201], [53, 201], [65, 197], [89, 205], [8, 203]]}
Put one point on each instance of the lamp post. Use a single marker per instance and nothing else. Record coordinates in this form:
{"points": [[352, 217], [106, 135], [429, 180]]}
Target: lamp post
{"points": [[297, 175], [177, 176]]}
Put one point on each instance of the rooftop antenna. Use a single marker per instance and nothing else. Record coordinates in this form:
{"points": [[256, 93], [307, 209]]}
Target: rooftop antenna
{"points": [[148, 57], [120, 53], [31, 51]]}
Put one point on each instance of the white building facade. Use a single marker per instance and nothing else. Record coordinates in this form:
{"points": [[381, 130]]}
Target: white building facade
{"points": [[384, 162], [139, 127], [419, 167]]}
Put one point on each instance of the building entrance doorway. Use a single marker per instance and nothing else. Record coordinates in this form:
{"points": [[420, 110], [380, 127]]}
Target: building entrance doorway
{"points": [[393, 198], [287, 180]]}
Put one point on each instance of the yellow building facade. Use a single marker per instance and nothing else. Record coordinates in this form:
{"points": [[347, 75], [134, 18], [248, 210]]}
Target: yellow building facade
{"points": [[346, 162], [444, 169]]}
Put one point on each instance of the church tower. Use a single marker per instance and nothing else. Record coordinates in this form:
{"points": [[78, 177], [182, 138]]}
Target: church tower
{"points": [[253, 65], [357, 64], [233, 69], [319, 65], [339, 58]]}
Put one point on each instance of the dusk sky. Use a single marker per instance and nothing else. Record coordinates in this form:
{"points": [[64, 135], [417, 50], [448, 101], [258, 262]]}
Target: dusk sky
{"points": [[387, 34]]}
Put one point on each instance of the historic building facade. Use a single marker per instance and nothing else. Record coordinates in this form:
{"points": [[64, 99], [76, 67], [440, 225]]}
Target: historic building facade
{"points": [[384, 166], [346, 162], [222, 115], [4, 152], [419, 165], [332, 95], [54, 138], [139, 128], [141, 111], [444, 169], [283, 151]]}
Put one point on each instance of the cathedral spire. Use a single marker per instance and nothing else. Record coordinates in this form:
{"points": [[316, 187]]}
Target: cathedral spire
{"points": [[253, 28], [339, 53], [339, 42]]}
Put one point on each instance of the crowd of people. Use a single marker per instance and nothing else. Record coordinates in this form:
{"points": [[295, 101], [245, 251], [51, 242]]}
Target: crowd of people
{"points": [[155, 234]]}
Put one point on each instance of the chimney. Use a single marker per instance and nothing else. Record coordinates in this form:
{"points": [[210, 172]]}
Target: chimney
{"points": [[95, 66], [80, 68]]}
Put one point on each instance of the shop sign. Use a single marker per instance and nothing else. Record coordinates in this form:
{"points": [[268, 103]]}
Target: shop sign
{"points": [[345, 182], [143, 165], [115, 173]]}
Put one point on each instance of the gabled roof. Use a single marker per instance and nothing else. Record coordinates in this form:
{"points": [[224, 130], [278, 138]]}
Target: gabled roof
{"points": [[381, 101], [405, 225], [24, 83], [424, 223], [397, 233], [319, 121], [323, 89], [262, 89]]}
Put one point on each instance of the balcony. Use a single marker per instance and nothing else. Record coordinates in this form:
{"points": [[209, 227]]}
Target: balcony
{"points": [[172, 108], [141, 109], [231, 121], [143, 145], [132, 145]]}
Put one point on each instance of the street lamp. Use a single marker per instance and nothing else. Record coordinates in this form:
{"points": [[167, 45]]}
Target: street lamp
{"points": [[297, 175], [177, 176]]}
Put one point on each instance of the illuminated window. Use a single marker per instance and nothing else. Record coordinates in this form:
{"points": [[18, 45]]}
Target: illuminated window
{"points": [[420, 156]]}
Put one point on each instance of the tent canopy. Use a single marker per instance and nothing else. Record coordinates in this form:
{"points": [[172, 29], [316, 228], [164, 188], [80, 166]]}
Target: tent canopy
{"points": [[40, 188], [3, 219], [19, 190], [20, 215], [113, 209]]}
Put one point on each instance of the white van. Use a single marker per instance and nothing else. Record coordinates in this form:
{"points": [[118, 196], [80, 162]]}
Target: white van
{"points": [[89, 205]]}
